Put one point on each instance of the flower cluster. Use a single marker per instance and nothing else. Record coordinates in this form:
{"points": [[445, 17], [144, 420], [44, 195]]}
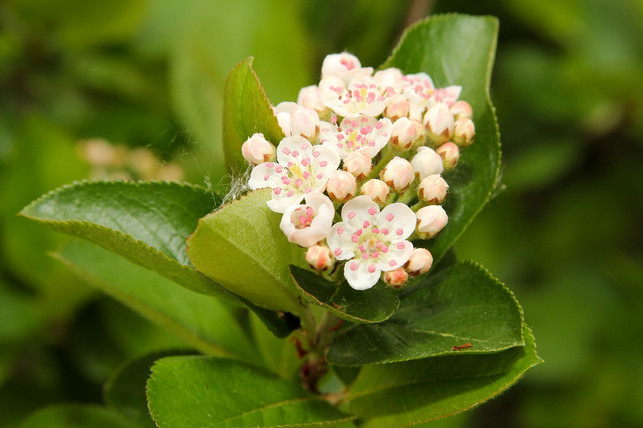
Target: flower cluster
{"points": [[371, 146]]}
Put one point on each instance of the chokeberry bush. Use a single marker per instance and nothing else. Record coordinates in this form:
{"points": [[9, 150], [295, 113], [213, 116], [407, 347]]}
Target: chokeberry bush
{"points": [[320, 287]]}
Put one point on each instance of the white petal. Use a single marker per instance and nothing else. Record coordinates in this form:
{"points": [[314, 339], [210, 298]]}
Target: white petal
{"points": [[280, 203], [293, 149], [398, 253], [339, 241], [381, 135], [362, 274], [359, 210], [265, 175], [399, 219]]}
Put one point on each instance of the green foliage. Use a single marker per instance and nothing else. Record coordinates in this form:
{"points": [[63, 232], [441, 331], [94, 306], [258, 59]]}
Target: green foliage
{"points": [[77, 416], [232, 394]]}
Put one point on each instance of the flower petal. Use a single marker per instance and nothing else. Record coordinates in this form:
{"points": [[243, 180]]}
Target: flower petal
{"points": [[292, 150], [358, 210], [399, 219], [398, 253], [339, 241], [266, 175], [362, 274]]}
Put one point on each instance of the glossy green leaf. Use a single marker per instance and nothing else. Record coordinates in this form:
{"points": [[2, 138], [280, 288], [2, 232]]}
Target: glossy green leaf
{"points": [[366, 306], [77, 416], [246, 111], [459, 50], [413, 392], [280, 356], [124, 392], [439, 315], [202, 321], [214, 392], [146, 222], [241, 247]]}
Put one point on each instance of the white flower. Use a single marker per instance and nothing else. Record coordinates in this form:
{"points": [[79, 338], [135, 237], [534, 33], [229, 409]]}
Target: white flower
{"points": [[417, 88], [345, 66], [371, 241], [362, 97], [311, 97], [306, 225], [294, 119], [365, 134], [301, 169], [448, 95]]}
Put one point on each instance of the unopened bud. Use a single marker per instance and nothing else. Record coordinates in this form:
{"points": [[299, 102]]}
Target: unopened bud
{"points": [[258, 150], [427, 162], [341, 186], [345, 66], [311, 97], [376, 189], [406, 133], [304, 122], [397, 107], [396, 278], [320, 258], [433, 189], [464, 132], [358, 163], [450, 154], [431, 220], [461, 110], [398, 174], [420, 262], [438, 120]]}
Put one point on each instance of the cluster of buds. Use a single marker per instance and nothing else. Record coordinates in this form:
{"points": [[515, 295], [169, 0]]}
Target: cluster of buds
{"points": [[370, 147]]}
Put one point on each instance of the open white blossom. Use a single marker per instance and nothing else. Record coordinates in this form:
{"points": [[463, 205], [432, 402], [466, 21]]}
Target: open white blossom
{"points": [[371, 241], [362, 97], [301, 169], [306, 225], [365, 134]]}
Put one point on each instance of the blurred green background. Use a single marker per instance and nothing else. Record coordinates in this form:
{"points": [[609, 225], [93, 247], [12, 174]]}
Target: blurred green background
{"points": [[138, 82]]}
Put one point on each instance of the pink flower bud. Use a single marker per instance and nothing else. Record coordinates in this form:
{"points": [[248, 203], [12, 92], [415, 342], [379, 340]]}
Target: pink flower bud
{"points": [[358, 163], [464, 132], [450, 154], [345, 66], [304, 122], [431, 220], [406, 133], [420, 262], [461, 110], [427, 162], [320, 258], [438, 120], [258, 150], [396, 278], [398, 174], [311, 97], [376, 189], [398, 106], [433, 189], [341, 186]]}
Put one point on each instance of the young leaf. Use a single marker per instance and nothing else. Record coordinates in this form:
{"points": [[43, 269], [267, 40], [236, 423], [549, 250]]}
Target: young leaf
{"points": [[77, 416], [201, 391], [147, 223], [241, 247], [461, 309], [246, 111], [202, 321], [413, 392], [459, 50], [367, 306]]}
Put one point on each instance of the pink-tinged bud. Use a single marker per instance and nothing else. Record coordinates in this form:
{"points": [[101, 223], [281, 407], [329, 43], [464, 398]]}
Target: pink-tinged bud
{"points": [[427, 162], [406, 133], [376, 189], [320, 258], [396, 278], [450, 154], [311, 97], [438, 120], [304, 122], [258, 150], [358, 163], [397, 107], [431, 220], [433, 189], [390, 80], [398, 174], [341, 186], [461, 110], [420, 262], [345, 66], [464, 132]]}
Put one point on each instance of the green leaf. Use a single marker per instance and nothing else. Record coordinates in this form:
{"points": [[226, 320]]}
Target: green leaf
{"points": [[202, 321], [413, 392], [241, 247], [146, 222], [459, 50], [124, 392], [460, 305], [77, 416], [278, 355], [367, 306], [246, 111], [214, 392]]}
